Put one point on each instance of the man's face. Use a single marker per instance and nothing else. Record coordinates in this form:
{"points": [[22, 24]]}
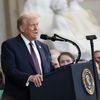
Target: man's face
{"points": [[30, 28]]}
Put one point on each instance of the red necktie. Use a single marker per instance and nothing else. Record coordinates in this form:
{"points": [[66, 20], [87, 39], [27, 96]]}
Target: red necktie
{"points": [[34, 58]]}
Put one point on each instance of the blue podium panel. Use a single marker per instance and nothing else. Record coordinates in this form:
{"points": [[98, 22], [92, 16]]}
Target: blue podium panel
{"points": [[64, 83], [80, 91]]}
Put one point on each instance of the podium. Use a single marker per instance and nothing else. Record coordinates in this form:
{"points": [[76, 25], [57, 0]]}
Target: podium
{"points": [[67, 83]]}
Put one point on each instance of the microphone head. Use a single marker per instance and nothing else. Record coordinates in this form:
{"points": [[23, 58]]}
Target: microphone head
{"points": [[91, 37], [44, 36]]}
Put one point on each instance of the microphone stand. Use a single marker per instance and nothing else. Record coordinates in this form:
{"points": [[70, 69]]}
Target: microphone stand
{"points": [[67, 40], [91, 38]]}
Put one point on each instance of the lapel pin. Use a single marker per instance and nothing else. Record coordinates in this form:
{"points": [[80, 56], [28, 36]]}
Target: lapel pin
{"points": [[39, 46]]}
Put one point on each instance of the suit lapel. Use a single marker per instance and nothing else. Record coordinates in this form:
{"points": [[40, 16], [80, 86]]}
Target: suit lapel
{"points": [[25, 51], [43, 57]]}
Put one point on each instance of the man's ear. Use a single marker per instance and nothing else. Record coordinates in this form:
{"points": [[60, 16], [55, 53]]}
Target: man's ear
{"points": [[21, 28]]}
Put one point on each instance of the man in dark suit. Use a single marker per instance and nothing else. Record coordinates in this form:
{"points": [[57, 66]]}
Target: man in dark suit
{"points": [[17, 63]]}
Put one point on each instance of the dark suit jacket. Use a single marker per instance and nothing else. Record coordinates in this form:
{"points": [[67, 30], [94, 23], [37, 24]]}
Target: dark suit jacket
{"points": [[17, 65]]}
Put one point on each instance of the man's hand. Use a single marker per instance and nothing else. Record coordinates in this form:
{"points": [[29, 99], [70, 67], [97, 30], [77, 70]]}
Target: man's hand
{"points": [[36, 79]]}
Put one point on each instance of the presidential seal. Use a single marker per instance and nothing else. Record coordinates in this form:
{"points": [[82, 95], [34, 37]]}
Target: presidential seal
{"points": [[88, 81]]}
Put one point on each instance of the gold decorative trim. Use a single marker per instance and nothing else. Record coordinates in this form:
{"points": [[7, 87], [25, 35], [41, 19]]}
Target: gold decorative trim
{"points": [[88, 81]]}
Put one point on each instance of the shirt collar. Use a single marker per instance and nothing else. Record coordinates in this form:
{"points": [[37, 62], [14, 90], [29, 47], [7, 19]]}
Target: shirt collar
{"points": [[26, 40]]}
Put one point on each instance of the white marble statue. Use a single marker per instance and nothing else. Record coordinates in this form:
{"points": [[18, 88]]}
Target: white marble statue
{"points": [[82, 20], [69, 21]]}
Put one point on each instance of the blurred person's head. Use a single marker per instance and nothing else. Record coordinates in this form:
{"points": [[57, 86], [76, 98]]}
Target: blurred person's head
{"points": [[65, 58], [97, 60], [54, 56], [97, 56]]}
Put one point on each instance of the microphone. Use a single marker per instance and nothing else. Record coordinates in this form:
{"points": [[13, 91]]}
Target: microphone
{"points": [[59, 38], [53, 38]]}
